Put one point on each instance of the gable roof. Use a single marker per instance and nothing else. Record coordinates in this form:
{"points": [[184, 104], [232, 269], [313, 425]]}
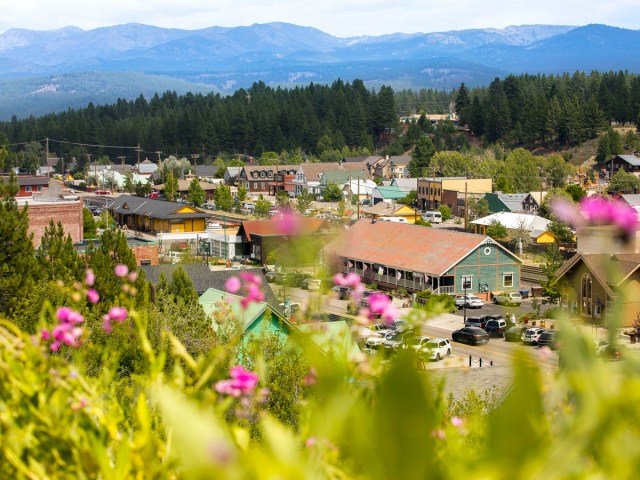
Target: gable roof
{"points": [[385, 209], [512, 221], [312, 171], [354, 159], [632, 199], [405, 184], [343, 177], [203, 278], [249, 169], [27, 180], [152, 208], [599, 264], [630, 159], [407, 247], [391, 192], [212, 297], [513, 201]]}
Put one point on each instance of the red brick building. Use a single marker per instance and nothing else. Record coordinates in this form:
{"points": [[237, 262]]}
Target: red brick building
{"points": [[68, 212], [29, 184]]}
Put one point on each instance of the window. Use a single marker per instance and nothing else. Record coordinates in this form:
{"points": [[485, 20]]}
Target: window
{"points": [[145, 262], [467, 280], [255, 185], [507, 279], [39, 188], [586, 296], [28, 188]]}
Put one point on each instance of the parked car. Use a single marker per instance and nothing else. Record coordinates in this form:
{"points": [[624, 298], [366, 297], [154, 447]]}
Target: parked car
{"points": [[496, 328], [209, 206], [514, 334], [381, 329], [393, 341], [433, 217], [344, 292], [478, 322], [417, 343], [437, 348], [470, 335], [298, 278], [374, 342], [469, 301], [531, 335], [312, 284], [508, 298], [548, 338], [283, 278], [600, 345], [402, 326]]}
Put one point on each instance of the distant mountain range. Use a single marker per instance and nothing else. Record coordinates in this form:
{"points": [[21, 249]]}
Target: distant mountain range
{"points": [[46, 71]]}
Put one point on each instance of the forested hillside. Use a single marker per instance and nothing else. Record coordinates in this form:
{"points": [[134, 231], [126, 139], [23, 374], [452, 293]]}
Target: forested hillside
{"points": [[518, 111]]}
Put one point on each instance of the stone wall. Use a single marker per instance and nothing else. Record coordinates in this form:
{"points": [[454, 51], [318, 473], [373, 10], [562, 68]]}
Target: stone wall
{"points": [[68, 213]]}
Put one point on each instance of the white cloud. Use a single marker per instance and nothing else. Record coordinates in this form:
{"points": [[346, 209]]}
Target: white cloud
{"points": [[339, 17]]}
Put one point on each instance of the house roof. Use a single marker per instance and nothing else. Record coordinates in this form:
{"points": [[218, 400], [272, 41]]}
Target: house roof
{"points": [[147, 166], [333, 338], [354, 159], [632, 199], [391, 192], [408, 247], [405, 184], [372, 160], [212, 297], [27, 180], [539, 196], [203, 278], [600, 265], [248, 169], [343, 177], [152, 208], [383, 209], [513, 201], [361, 186], [313, 171], [273, 228], [513, 221], [630, 159]]}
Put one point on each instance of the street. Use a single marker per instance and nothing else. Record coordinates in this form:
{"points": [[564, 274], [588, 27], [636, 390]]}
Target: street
{"points": [[497, 350]]}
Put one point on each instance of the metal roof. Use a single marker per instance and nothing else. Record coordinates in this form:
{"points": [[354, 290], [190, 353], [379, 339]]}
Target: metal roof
{"points": [[152, 208], [513, 221], [391, 192], [407, 247], [630, 159]]}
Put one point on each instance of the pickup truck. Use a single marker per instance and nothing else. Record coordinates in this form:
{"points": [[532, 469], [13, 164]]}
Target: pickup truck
{"points": [[508, 298]]}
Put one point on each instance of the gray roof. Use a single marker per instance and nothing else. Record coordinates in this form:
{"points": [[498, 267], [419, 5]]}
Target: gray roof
{"points": [[151, 208], [203, 278], [406, 184], [354, 159], [630, 159], [27, 180], [205, 170], [632, 199], [513, 201]]}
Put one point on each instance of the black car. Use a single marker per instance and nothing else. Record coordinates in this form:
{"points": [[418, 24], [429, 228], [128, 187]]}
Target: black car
{"points": [[475, 322], [344, 293], [470, 335], [548, 338], [514, 334], [496, 327]]}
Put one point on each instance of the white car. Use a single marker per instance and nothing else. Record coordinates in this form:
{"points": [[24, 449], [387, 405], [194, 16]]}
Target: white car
{"points": [[436, 349], [531, 335], [469, 301], [417, 343]]}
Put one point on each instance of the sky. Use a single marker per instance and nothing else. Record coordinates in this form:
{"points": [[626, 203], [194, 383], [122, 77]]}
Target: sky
{"points": [[341, 18]]}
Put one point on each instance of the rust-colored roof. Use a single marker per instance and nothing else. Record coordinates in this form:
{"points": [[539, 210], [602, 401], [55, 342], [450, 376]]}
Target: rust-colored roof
{"points": [[271, 227], [406, 246], [610, 270]]}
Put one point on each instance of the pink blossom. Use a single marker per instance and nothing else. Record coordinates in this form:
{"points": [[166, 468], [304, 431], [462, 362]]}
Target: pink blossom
{"points": [[310, 442], [227, 387], [457, 422], [288, 223], [596, 209], [311, 378], [106, 323], [390, 313], [89, 278], [232, 285], [74, 317], [93, 296], [63, 314], [118, 314], [45, 335], [242, 382], [250, 278], [567, 211], [352, 279], [121, 270], [378, 302], [55, 346], [254, 294], [133, 276], [624, 216], [339, 279]]}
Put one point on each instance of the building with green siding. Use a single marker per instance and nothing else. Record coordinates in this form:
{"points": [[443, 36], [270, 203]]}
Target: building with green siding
{"points": [[416, 258]]}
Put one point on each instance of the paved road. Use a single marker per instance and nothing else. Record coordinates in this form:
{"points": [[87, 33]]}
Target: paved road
{"points": [[498, 351]]}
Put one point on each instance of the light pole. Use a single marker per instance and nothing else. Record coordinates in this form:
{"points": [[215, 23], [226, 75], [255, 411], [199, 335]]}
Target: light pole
{"points": [[465, 284]]}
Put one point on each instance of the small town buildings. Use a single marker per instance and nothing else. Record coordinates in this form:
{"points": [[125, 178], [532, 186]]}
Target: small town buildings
{"points": [[261, 237], [146, 168], [154, 216], [258, 178], [145, 251], [511, 202], [390, 210], [436, 191], [392, 167], [182, 189], [387, 194], [398, 255], [309, 175], [361, 189], [538, 227], [28, 184], [628, 163]]}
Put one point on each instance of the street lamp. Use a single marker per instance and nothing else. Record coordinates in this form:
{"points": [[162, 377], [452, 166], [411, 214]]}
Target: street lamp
{"points": [[466, 284]]}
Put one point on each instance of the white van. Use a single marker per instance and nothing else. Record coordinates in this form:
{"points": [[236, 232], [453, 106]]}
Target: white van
{"points": [[432, 217], [393, 219]]}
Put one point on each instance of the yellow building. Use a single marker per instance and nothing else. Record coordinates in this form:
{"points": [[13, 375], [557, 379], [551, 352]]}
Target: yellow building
{"points": [[385, 210], [150, 215]]}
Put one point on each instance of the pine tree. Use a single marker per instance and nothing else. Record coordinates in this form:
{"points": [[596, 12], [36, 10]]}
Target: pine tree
{"points": [[181, 286], [196, 194], [57, 257], [18, 270]]}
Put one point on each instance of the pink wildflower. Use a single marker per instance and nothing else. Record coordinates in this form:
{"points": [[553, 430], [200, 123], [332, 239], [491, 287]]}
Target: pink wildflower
{"points": [[390, 313], [568, 212], [55, 346], [352, 279], [74, 317], [457, 422], [106, 323], [232, 285], [338, 279], [121, 270], [378, 302], [254, 294], [133, 276], [596, 209], [311, 378], [118, 314], [45, 335], [93, 296], [624, 216], [89, 278], [288, 223], [250, 278], [310, 442], [63, 314], [242, 382]]}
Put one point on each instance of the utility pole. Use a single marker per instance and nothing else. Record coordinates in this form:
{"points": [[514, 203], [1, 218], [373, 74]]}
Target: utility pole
{"points": [[161, 171], [358, 198], [46, 156], [138, 157], [466, 208]]}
